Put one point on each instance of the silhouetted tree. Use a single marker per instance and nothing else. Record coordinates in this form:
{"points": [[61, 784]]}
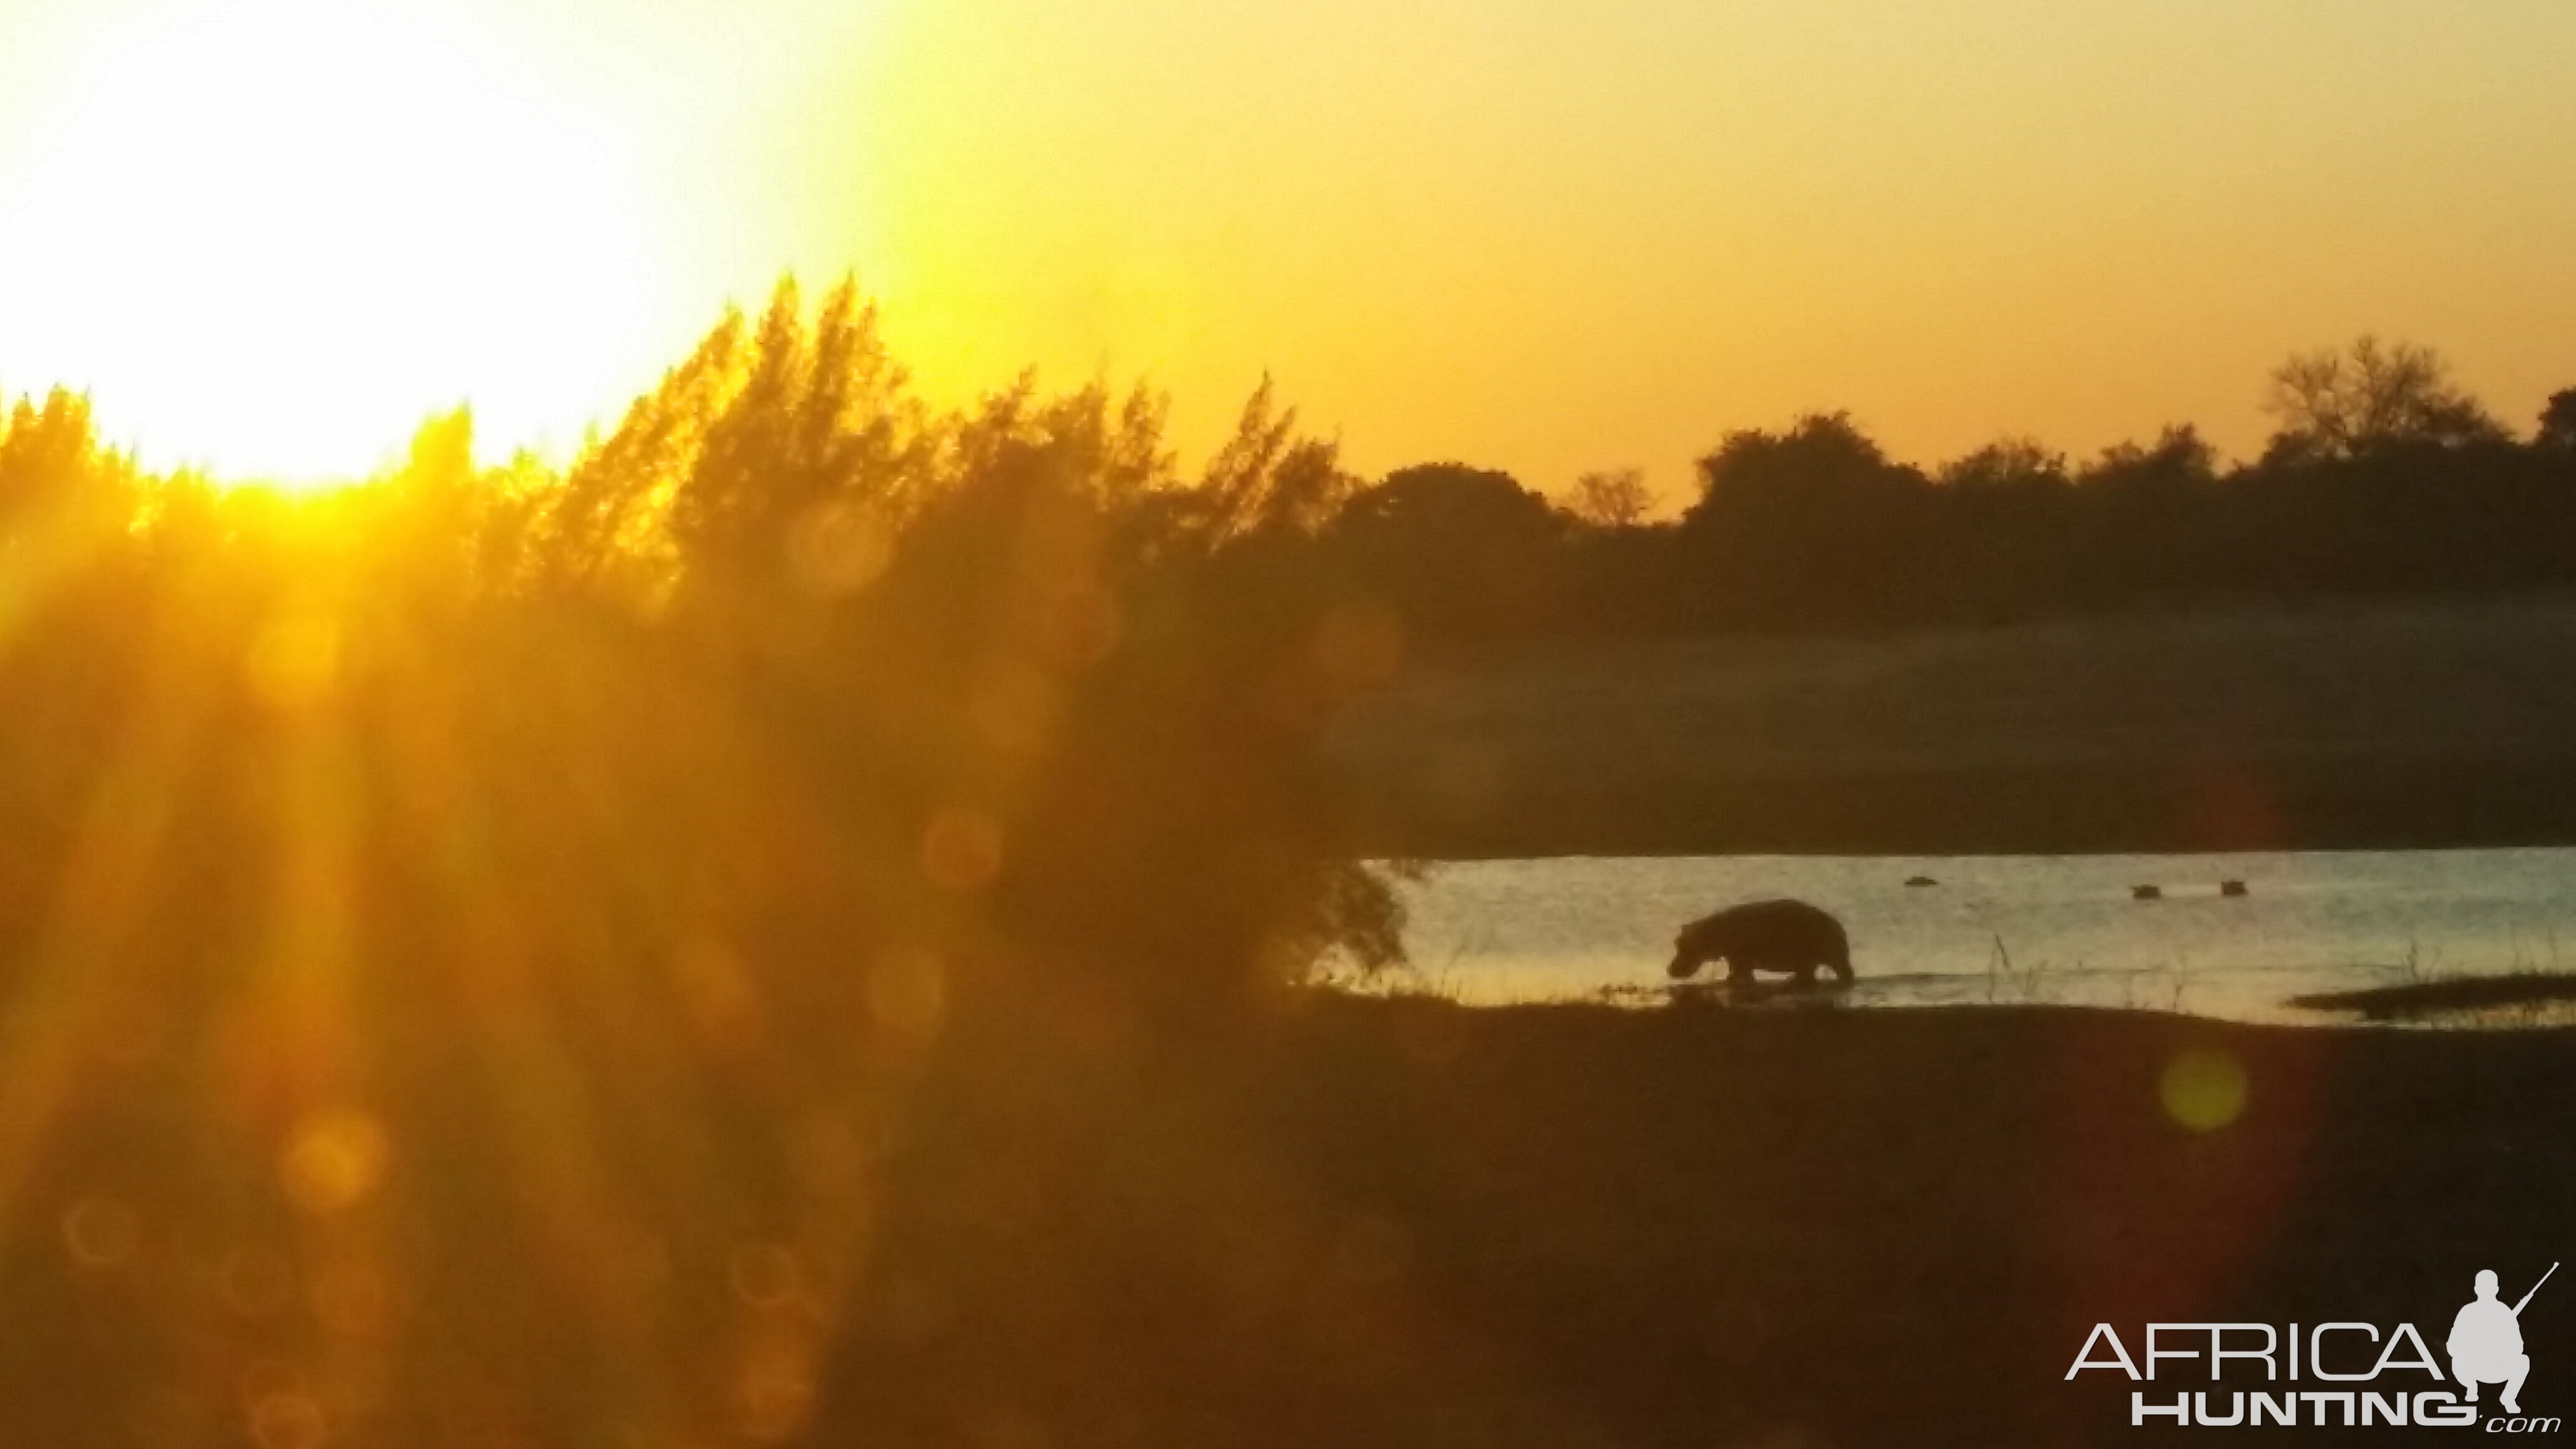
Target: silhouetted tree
{"points": [[2558, 422], [2340, 403], [1265, 483], [606, 529], [1812, 525], [2012, 464], [2148, 533], [2180, 458], [51, 462], [822, 420], [2006, 527], [1613, 498], [1460, 552]]}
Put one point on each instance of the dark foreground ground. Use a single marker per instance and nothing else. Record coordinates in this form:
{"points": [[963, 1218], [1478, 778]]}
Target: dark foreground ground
{"points": [[1355, 1223], [1409, 1223]]}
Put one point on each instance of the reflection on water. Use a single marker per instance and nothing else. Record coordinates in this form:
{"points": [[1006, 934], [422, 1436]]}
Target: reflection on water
{"points": [[2014, 929]]}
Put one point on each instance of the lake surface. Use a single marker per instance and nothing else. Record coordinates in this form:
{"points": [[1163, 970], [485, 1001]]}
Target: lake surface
{"points": [[2013, 929]]}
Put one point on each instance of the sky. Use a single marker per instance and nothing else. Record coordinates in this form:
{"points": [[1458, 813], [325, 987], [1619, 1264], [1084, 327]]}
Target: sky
{"points": [[270, 235]]}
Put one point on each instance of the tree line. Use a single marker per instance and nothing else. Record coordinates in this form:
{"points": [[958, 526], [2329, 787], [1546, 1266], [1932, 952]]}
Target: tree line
{"points": [[1021, 659], [2383, 478]]}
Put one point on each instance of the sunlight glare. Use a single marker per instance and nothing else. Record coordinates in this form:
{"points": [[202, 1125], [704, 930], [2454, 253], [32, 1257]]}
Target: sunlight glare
{"points": [[273, 241]]}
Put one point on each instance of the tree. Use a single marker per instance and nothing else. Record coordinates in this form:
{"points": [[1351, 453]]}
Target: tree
{"points": [[50, 454], [1461, 552], [822, 419], [2343, 403], [1612, 498], [1812, 526], [2558, 423], [1824, 462], [1267, 481], [2010, 463], [2154, 521], [2180, 458], [606, 527]]}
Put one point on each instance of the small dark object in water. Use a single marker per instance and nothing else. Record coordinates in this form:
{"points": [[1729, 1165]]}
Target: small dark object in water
{"points": [[2231, 888], [1921, 880], [1764, 936], [2146, 893]]}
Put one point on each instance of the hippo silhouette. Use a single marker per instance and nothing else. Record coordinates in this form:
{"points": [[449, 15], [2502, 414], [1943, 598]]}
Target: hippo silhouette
{"points": [[1764, 936]]}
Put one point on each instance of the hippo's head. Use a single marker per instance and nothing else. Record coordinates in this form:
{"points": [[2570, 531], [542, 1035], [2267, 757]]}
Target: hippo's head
{"points": [[1688, 953]]}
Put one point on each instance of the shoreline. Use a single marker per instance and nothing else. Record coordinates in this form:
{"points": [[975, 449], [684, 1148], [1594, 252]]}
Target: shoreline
{"points": [[1436, 861]]}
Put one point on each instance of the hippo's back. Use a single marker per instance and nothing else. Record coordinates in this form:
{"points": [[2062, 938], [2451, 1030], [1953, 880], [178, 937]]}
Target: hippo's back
{"points": [[1770, 931], [1783, 919]]}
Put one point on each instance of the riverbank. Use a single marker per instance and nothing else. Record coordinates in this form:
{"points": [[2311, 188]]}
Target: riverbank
{"points": [[2403, 726], [1410, 1223]]}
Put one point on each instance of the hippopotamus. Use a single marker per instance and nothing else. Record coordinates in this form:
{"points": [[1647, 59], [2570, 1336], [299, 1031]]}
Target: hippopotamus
{"points": [[1765, 936]]}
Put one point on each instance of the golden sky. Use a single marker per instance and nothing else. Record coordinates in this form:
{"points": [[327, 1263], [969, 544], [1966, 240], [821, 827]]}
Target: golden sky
{"points": [[272, 234]]}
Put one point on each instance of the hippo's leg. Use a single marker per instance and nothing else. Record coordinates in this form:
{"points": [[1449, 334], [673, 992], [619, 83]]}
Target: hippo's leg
{"points": [[1738, 971], [1807, 974]]}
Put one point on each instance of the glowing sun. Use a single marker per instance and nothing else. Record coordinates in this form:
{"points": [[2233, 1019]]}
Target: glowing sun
{"points": [[272, 241]]}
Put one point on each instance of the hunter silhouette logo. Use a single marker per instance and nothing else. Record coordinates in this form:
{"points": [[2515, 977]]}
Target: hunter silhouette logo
{"points": [[2361, 1376], [2486, 1342]]}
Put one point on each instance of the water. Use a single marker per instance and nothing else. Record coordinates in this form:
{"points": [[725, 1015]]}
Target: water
{"points": [[2069, 932]]}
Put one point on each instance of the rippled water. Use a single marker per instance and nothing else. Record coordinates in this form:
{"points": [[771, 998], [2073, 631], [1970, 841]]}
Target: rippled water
{"points": [[2012, 929]]}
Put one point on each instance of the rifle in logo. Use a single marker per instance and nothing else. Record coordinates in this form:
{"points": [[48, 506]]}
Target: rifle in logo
{"points": [[2526, 1298]]}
